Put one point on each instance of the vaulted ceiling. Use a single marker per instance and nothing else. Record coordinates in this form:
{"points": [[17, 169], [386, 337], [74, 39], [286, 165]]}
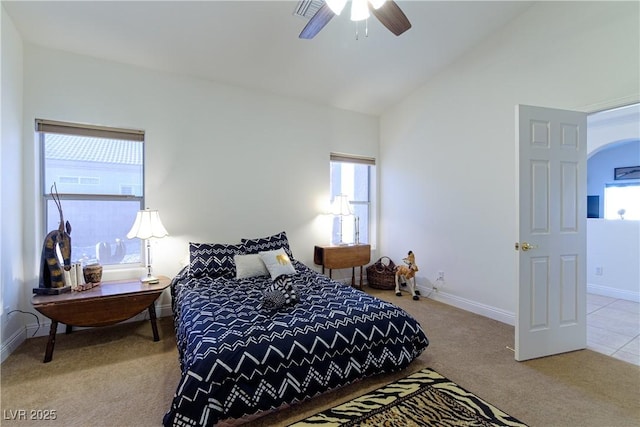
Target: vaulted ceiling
{"points": [[255, 44]]}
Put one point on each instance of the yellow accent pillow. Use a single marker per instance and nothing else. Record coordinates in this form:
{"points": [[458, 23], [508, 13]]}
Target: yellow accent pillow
{"points": [[277, 262]]}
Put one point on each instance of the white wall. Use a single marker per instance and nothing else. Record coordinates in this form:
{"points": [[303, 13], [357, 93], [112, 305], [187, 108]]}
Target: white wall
{"points": [[611, 126], [11, 271], [448, 172], [612, 258]]}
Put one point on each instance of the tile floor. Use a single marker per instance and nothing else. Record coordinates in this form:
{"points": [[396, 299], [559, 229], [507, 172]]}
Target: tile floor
{"points": [[613, 327]]}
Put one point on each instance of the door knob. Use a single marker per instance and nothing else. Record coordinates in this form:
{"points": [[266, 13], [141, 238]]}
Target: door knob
{"points": [[525, 246]]}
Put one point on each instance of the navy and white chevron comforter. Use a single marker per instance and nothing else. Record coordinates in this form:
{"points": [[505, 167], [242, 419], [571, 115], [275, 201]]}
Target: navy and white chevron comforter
{"points": [[238, 358]]}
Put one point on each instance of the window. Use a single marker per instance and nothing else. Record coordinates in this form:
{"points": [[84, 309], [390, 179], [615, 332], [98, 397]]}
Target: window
{"points": [[354, 177], [622, 201], [99, 175]]}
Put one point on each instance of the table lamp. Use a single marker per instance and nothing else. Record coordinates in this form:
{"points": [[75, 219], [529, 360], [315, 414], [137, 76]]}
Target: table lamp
{"points": [[146, 226], [341, 208]]}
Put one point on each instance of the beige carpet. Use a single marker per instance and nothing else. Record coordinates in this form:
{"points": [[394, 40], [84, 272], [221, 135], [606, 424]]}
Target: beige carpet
{"points": [[117, 376]]}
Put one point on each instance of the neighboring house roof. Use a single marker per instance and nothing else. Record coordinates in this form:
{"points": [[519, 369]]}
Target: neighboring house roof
{"points": [[86, 149]]}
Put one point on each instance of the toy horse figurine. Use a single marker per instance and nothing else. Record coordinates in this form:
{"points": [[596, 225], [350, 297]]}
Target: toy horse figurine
{"points": [[51, 274], [407, 274]]}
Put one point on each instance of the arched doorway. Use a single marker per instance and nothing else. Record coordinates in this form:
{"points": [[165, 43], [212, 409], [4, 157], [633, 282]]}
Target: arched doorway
{"points": [[613, 274]]}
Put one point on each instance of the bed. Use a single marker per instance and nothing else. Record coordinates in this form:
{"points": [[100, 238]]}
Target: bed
{"points": [[248, 343]]}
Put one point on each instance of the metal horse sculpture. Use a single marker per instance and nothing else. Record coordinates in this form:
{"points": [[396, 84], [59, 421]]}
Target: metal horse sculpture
{"points": [[407, 275], [51, 274]]}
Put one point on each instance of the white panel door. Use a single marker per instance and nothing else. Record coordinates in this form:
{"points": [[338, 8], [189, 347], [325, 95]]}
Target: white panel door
{"points": [[552, 245]]}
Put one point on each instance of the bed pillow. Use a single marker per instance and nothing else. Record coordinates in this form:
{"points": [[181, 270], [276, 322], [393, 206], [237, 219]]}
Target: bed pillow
{"points": [[249, 266], [263, 244], [280, 294], [212, 259], [277, 263]]}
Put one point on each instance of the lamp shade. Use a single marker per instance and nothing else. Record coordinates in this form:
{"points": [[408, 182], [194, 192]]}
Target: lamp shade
{"points": [[147, 225], [340, 205]]}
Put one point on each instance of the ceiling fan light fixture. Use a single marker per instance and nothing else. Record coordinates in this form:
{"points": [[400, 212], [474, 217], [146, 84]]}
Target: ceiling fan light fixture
{"points": [[359, 10], [336, 6], [322, 11]]}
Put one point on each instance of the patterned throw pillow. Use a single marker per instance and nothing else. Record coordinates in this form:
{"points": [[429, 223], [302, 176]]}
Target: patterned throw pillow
{"points": [[270, 243], [212, 259], [280, 294]]}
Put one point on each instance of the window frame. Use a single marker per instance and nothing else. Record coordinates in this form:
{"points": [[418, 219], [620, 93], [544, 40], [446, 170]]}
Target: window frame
{"points": [[371, 187], [43, 127], [609, 214]]}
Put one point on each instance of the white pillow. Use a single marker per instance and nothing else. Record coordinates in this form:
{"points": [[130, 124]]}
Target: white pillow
{"points": [[249, 266], [277, 262]]}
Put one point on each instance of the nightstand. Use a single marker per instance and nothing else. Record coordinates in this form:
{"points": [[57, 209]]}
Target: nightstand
{"points": [[347, 256], [103, 305]]}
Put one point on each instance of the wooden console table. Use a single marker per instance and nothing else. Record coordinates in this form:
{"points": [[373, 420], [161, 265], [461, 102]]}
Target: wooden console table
{"points": [[106, 304], [348, 256]]}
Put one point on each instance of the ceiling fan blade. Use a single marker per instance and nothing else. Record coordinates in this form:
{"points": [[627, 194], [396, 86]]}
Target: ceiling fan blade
{"points": [[317, 22], [392, 17]]}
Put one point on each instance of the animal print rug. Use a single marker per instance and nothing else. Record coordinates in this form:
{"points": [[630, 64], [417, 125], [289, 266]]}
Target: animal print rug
{"points": [[425, 398]]}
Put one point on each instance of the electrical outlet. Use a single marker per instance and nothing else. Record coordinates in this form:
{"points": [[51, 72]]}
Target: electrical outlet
{"points": [[440, 276], [598, 271]]}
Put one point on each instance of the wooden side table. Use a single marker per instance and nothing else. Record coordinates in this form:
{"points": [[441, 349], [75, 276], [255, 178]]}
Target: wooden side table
{"points": [[106, 304], [348, 256]]}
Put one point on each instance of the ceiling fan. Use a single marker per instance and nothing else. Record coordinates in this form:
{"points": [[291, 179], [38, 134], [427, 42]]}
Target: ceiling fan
{"points": [[387, 12]]}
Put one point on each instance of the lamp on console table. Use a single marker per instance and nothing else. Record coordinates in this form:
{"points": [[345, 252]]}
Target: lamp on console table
{"points": [[340, 207], [146, 226]]}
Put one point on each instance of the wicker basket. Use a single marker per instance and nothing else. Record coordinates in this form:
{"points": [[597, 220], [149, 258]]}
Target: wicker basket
{"points": [[381, 274]]}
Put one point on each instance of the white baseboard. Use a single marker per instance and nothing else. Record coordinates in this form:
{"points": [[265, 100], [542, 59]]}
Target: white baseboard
{"points": [[34, 330], [509, 317], [10, 345], [473, 306], [608, 291]]}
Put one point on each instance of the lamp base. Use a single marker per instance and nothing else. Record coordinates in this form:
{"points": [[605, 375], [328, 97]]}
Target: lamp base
{"points": [[149, 280]]}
